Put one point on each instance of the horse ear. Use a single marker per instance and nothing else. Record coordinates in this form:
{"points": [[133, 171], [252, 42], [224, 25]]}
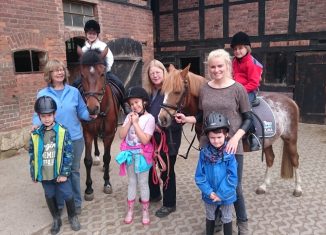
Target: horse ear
{"points": [[79, 51], [185, 71], [171, 68]]}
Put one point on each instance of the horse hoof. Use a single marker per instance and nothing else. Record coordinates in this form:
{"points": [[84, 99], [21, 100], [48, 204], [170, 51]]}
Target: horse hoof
{"points": [[96, 161], [107, 189], [260, 191], [297, 193], [89, 197]]}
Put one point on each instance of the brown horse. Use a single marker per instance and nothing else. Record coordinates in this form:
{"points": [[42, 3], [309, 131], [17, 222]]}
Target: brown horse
{"points": [[100, 100], [181, 89]]}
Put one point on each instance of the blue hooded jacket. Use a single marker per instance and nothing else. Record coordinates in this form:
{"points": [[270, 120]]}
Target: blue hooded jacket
{"points": [[217, 174]]}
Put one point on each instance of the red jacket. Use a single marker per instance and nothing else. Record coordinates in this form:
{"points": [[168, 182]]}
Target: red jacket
{"points": [[247, 71]]}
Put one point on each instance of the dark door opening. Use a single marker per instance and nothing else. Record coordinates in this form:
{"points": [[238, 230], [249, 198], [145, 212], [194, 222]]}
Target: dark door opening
{"points": [[195, 64]]}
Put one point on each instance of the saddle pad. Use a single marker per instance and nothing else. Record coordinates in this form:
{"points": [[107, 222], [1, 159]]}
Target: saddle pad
{"points": [[266, 115]]}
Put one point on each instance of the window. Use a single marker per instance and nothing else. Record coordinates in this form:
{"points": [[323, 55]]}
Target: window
{"points": [[29, 60], [276, 68], [76, 14]]}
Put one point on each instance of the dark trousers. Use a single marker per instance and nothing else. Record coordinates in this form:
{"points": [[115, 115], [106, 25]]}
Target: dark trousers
{"points": [[61, 190], [116, 80], [169, 191]]}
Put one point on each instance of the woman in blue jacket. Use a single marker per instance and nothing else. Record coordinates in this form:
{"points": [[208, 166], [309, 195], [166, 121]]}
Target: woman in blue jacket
{"points": [[216, 173], [70, 109]]}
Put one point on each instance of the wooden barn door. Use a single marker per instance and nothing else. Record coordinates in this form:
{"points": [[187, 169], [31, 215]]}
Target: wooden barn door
{"points": [[310, 89], [128, 62]]}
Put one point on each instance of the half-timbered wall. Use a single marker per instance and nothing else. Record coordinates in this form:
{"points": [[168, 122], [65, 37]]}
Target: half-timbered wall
{"points": [[279, 30]]}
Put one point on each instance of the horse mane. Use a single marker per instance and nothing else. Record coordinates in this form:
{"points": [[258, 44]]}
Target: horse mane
{"points": [[175, 83]]}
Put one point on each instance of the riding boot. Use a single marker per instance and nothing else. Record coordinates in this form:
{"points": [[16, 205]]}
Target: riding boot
{"points": [[145, 219], [227, 228], [253, 142], [72, 216], [130, 213], [52, 205], [210, 224]]}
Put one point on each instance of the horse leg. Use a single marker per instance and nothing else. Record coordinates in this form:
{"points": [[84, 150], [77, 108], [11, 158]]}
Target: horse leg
{"points": [[290, 164], [269, 155], [88, 161], [106, 160], [96, 160]]}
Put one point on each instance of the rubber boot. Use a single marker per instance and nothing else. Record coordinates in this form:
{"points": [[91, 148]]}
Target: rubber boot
{"points": [[243, 228], [145, 219], [52, 205], [210, 224], [253, 142], [227, 228], [72, 216], [130, 213]]}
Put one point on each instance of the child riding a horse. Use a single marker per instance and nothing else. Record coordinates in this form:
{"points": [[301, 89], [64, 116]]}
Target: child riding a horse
{"points": [[247, 71], [92, 30], [136, 150]]}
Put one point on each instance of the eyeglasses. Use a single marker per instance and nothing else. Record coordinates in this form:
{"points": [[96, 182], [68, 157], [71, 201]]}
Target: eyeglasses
{"points": [[58, 70]]}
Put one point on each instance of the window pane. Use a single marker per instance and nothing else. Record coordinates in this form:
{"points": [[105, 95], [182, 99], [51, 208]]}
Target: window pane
{"points": [[35, 61], [67, 19], [22, 61], [66, 7], [77, 20], [76, 8], [88, 10]]}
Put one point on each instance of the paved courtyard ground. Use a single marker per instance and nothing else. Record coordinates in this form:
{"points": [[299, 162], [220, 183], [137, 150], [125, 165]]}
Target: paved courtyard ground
{"points": [[24, 211]]}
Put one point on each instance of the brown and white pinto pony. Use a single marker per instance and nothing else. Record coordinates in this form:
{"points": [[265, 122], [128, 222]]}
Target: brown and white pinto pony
{"points": [[182, 83], [100, 101]]}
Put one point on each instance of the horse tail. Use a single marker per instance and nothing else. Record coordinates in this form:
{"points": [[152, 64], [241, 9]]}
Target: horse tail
{"points": [[290, 157], [287, 171]]}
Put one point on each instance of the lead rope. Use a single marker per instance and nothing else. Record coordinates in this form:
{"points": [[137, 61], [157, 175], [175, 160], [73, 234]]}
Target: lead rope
{"points": [[157, 158]]}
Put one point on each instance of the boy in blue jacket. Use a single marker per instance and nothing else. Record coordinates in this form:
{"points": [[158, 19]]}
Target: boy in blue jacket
{"points": [[51, 155], [216, 173]]}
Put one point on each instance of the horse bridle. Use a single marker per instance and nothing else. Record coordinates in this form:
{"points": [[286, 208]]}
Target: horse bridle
{"points": [[180, 104]]}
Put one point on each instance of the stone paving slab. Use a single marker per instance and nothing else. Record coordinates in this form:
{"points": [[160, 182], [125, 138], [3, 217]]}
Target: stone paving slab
{"points": [[24, 209]]}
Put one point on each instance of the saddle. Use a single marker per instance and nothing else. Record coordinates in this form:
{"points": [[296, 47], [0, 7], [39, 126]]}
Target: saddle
{"points": [[264, 119]]}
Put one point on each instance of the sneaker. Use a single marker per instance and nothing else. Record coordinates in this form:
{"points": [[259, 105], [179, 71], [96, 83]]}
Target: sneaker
{"points": [[164, 211]]}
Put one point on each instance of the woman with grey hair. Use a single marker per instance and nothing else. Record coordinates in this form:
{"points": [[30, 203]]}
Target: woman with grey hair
{"points": [[70, 109]]}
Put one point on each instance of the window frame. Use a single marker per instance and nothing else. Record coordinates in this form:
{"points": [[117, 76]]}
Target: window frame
{"points": [[42, 57], [71, 14]]}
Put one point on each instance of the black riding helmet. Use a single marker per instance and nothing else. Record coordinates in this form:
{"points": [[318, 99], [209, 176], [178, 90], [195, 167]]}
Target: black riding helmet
{"points": [[92, 25], [240, 38], [216, 121], [45, 104], [136, 92]]}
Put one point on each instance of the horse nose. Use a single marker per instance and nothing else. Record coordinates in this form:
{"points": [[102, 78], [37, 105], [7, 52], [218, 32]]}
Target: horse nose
{"points": [[94, 111], [163, 121]]}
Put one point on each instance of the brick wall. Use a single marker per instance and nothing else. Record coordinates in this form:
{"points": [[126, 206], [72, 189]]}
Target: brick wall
{"points": [[243, 17], [188, 25], [214, 23], [276, 16], [311, 16], [40, 26]]}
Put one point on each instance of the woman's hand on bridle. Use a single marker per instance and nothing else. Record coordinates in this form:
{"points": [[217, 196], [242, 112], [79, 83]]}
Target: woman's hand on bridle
{"points": [[180, 118], [34, 127], [93, 116]]}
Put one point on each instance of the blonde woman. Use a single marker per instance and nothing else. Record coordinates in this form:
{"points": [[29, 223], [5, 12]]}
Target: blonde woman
{"points": [[230, 100]]}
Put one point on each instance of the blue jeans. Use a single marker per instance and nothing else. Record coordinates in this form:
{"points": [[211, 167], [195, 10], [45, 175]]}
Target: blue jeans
{"points": [[78, 146], [239, 204], [62, 191]]}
